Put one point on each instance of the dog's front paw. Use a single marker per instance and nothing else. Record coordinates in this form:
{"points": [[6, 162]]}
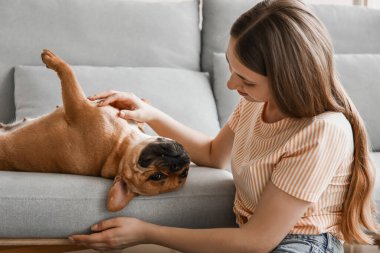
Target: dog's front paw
{"points": [[51, 60]]}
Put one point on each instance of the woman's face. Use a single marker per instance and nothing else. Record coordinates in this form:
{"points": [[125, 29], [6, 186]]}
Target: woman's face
{"points": [[250, 85]]}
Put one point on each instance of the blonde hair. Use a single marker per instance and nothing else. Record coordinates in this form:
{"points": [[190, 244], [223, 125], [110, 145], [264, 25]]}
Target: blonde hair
{"points": [[284, 41]]}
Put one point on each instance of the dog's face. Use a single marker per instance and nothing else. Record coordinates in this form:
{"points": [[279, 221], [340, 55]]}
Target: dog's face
{"points": [[150, 166]]}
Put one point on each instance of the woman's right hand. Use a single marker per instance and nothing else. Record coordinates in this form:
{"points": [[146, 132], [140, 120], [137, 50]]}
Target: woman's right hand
{"points": [[130, 106]]}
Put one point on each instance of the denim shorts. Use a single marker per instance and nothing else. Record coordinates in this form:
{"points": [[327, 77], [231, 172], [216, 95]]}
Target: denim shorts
{"points": [[297, 243]]}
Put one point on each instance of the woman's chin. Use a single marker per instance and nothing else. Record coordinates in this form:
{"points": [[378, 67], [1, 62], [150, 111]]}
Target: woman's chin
{"points": [[250, 99]]}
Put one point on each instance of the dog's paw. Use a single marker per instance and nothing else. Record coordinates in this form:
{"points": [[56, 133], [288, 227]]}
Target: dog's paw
{"points": [[51, 60]]}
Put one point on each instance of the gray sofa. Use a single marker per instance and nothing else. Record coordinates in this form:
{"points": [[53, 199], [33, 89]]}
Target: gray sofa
{"points": [[163, 51]]}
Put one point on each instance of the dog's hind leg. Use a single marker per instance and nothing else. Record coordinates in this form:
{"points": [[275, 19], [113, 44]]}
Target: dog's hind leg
{"points": [[73, 96]]}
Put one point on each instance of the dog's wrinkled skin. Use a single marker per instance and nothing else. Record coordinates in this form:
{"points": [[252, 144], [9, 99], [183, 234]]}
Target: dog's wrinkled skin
{"points": [[82, 138]]}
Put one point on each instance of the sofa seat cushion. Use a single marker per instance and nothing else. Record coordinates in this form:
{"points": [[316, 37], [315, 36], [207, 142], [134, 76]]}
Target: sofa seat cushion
{"points": [[58, 205], [185, 95]]}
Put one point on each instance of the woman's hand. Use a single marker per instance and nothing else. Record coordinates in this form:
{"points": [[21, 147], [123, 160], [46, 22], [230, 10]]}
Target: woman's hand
{"points": [[130, 106], [113, 234]]}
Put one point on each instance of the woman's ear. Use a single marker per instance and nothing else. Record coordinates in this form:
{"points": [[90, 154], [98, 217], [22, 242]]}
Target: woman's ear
{"points": [[119, 195]]}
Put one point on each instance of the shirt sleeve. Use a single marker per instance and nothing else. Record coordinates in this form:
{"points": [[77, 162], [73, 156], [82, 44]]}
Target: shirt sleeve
{"points": [[235, 116], [312, 159]]}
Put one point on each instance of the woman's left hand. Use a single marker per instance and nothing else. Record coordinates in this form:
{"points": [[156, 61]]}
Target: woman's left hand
{"points": [[113, 234]]}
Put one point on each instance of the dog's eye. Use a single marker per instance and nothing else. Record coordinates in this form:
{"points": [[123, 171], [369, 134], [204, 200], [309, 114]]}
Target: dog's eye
{"points": [[157, 176], [184, 174]]}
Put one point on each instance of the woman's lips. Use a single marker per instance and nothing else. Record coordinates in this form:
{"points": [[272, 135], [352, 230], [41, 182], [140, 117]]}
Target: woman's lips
{"points": [[242, 94]]}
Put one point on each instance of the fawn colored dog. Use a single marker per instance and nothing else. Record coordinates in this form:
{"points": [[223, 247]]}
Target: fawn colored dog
{"points": [[82, 138]]}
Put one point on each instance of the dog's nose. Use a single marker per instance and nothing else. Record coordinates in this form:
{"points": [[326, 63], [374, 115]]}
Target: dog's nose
{"points": [[164, 153]]}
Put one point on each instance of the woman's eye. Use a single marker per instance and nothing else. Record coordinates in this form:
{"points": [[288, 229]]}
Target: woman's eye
{"points": [[157, 176], [249, 84]]}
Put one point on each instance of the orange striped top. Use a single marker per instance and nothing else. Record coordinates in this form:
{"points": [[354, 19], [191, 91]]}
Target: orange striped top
{"points": [[310, 159]]}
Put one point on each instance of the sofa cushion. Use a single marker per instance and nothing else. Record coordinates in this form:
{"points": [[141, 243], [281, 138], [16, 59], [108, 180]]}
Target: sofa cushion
{"points": [[226, 100], [133, 33], [359, 23], [218, 16], [360, 75], [185, 95], [58, 205]]}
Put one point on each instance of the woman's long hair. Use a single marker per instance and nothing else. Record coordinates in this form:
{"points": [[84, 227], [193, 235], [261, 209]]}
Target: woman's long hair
{"points": [[284, 41]]}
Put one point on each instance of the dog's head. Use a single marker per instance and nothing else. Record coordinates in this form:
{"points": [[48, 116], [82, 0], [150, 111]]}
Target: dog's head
{"points": [[149, 166]]}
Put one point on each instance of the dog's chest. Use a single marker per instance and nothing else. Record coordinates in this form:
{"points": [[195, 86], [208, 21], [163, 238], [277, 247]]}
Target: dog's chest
{"points": [[108, 126]]}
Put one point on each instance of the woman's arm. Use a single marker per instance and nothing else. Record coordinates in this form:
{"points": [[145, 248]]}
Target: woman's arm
{"points": [[275, 215], [203, 150]]}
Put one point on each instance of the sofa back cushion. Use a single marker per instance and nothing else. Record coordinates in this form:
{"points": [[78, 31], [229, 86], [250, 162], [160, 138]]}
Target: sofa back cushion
{"points": [[185, 95], [225, 99], [218, 16], [353, 29], [142, 33], [360, 76], [348, 25]]}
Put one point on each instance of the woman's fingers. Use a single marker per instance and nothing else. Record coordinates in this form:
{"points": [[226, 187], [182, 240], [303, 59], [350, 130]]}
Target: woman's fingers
{"points": [[106, 224], [127, 114], [106, 238], [131, 107], [112, 234], [121, 100], [87, 239], [109, 100], [102, 95]]}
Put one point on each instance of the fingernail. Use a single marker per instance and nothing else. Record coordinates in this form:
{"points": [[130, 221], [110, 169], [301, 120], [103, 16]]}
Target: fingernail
{"points": [[94, 227], [71, 239]]}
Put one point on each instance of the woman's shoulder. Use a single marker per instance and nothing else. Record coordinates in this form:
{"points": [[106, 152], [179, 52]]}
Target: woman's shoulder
{"points": [[335, 121], [327, 127]]}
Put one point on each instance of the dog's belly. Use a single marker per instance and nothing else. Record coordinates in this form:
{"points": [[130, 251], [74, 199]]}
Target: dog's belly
{"points": [[50, 144]]}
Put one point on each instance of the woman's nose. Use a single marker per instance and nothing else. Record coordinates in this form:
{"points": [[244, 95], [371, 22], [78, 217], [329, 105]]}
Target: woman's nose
{"points": [[233, 82]]}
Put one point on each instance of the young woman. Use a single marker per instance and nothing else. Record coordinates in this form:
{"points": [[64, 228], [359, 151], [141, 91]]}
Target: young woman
{"points": [[298, 146]]}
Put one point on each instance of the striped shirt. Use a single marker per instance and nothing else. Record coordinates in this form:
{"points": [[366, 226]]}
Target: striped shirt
{"points": [[310, 159]]}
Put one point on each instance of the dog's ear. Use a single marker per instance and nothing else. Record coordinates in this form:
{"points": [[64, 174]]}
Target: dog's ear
{"points": [[119, 195]]}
